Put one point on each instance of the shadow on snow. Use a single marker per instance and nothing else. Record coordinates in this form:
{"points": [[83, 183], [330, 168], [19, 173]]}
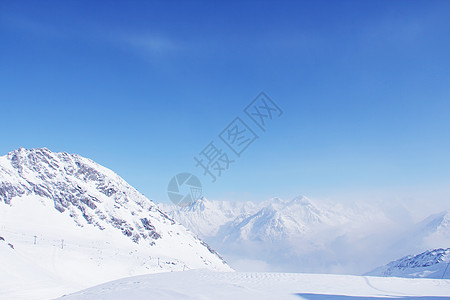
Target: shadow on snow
{"points": [[340, 297]]}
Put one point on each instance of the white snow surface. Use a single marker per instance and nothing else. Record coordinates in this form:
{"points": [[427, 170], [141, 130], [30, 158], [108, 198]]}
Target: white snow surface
{"points": [[75, 224], [237, 285]]}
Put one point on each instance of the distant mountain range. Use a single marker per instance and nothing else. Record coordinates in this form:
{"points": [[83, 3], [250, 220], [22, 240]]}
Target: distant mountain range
{"points": [[302, 235]]}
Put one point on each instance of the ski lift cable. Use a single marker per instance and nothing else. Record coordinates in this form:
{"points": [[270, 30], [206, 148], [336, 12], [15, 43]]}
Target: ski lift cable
{"points": [[445, 271]]}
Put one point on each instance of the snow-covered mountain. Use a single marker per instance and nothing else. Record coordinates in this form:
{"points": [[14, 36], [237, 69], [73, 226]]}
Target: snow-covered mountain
{"points": [[304, 235], [298, 235], [274, 219], [81, 224], [433, 232], [205, 217], [277, 220], [436, 229], [429, 264]]}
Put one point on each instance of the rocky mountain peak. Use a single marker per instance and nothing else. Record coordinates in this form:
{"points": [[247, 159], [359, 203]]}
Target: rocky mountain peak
{"points": [[88, 193]]}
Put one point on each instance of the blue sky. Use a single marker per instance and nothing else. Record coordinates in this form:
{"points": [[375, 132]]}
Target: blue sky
{"points": [[143, 87]]}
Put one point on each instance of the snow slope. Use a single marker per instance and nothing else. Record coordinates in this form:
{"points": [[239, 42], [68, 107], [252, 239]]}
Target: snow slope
{"points": [[429, 264], [23, 278], [236, 285], [74, 224]]}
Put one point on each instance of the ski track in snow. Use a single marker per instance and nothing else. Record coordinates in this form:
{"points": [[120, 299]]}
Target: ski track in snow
{"points": [[236, 285]]}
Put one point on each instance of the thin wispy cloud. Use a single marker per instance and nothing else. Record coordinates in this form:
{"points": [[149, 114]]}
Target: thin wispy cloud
{"points": [[26, 25], [150, 45], [154, 44]]}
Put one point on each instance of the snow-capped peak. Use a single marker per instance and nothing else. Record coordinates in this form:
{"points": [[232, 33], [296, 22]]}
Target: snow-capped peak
{"points": [[91, 193], [65, 201]]}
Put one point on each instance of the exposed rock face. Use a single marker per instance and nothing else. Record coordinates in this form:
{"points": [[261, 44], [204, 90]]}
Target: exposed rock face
{"points": [[76, 184], [429, 264], [91, 194]]}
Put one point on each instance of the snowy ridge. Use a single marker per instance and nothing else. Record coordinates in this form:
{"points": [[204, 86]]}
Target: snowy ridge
{"points": [[279, 220], [274, 219], [78, 185], [437, 226], [429, 264], [81, 224], [205, 217]]}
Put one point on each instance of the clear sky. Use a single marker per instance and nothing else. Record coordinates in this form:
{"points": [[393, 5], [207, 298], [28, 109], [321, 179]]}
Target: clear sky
{"points": [[142, 87]]}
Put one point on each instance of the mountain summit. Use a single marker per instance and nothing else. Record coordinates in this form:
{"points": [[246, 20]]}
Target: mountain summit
{"points": [[82, 223], [90, 193]]}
